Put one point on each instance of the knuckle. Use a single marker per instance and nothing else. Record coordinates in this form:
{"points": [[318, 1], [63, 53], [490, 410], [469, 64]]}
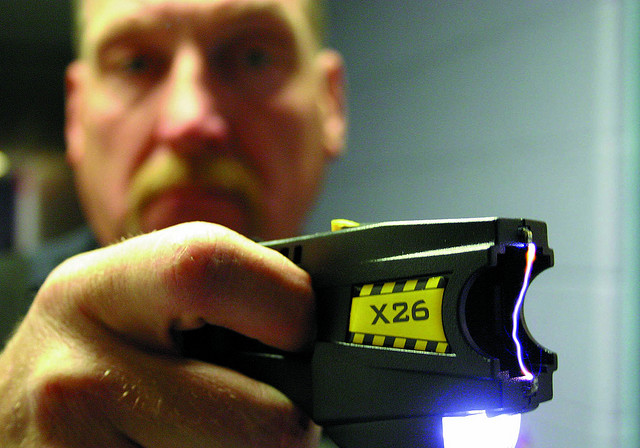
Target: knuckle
{"points": [[63, 398], [200, 263]]}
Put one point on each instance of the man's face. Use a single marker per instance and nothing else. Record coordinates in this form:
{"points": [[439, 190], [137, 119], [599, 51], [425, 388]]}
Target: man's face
{"points": [[216, 110]]}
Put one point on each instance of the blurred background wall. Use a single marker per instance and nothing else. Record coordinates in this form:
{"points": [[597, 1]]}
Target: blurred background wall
{"points": [[35, 47], [457, 109]]}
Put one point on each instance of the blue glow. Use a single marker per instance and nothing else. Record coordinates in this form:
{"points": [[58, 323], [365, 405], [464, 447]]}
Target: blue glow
{"points": [[531, 256], [479, 431]]}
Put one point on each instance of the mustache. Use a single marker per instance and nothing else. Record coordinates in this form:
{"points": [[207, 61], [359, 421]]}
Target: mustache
{"points": [[169, 171]]}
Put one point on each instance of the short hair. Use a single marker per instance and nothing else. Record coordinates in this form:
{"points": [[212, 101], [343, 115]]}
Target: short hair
{"points": [[315, 11]]}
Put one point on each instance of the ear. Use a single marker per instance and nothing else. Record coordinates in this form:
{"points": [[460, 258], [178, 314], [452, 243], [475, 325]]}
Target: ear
{"points": [[73, 130], [334, 107]]}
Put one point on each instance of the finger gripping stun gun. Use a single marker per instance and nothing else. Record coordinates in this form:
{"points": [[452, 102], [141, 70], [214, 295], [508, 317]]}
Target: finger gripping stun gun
{"points": [[417, 321]]}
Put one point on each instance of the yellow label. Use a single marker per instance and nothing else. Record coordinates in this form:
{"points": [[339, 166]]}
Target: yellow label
{"points": [[410, 314]]}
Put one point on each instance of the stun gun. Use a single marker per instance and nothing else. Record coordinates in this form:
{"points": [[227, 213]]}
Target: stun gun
{"points": [[416, 322]]}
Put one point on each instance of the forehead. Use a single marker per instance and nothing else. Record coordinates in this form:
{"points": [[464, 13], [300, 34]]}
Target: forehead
{"points": [[102, 18]]}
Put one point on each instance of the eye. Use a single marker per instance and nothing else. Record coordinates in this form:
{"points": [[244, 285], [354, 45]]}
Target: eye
{"points": [[131, 62], [136, 64], [132, 71], [257, 58], [243, 58], [257, 64], [145, 63]]}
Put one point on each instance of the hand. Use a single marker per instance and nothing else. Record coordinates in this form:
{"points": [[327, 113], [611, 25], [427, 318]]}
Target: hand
{"points": [[94, 364]]}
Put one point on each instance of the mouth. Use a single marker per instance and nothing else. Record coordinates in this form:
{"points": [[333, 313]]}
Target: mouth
{"points": [[168, 190], [196, 203]]}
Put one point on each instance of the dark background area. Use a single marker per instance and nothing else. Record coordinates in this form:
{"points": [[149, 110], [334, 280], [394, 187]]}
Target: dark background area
{"points": [[35, 47]]}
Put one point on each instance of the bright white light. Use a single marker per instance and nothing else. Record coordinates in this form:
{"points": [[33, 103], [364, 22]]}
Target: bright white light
{"points": [[479, 431], [531, 256]]}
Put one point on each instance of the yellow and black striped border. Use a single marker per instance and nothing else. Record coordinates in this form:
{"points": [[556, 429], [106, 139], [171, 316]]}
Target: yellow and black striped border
{"points": [[419, 284]]}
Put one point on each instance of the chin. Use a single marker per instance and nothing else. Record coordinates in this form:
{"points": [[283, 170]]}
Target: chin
{"points": [[179, 207], [240, 224]]}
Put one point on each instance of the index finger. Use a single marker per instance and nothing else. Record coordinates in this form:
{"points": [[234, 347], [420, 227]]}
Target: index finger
{"points": [[183, 277]]}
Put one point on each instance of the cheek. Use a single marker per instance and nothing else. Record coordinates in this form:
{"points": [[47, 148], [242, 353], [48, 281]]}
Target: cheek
{"points": [[303, 159], [115, 141], [120, 131], [286, 146], [286, 139], [103, 155]]}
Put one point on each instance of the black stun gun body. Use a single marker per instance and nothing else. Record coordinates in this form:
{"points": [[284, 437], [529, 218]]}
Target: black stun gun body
{"points": [[415, 322]]}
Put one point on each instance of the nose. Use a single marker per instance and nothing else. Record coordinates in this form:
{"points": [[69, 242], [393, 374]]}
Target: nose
{"points": [[189, 116]]}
